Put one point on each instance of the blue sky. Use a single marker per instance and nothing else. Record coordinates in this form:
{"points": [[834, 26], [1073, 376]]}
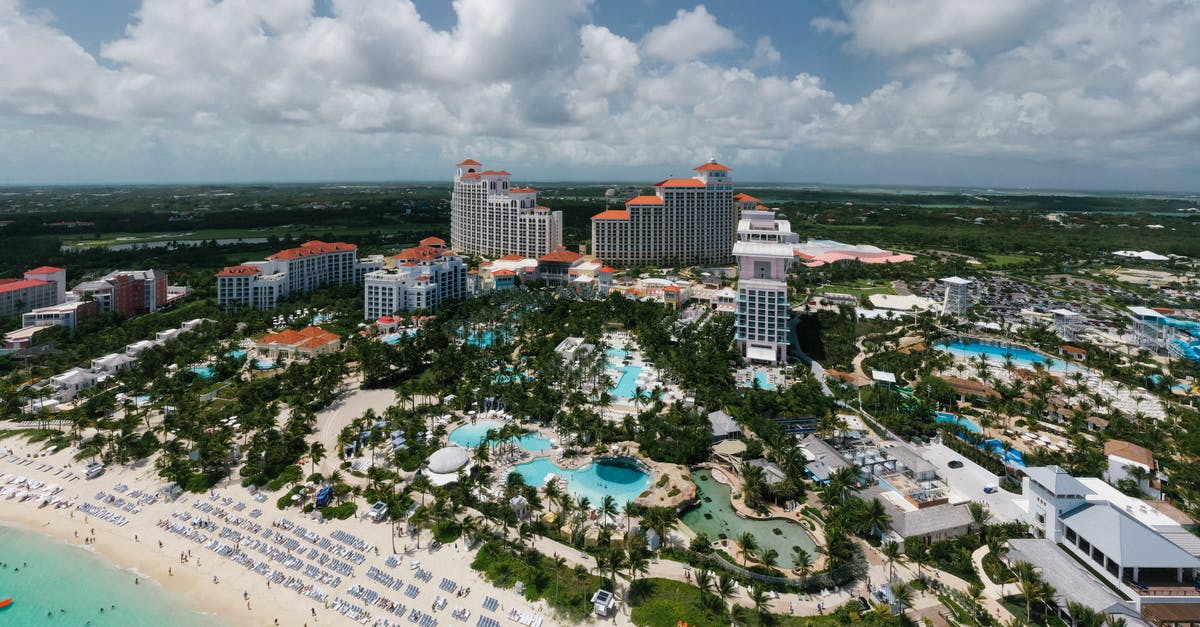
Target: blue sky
{"points": [[1060, 94]]}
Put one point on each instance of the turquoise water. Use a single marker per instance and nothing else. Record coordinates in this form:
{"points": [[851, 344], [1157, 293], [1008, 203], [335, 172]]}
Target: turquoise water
{"points": [[966, 423], [627, 383], [486, 339], [264, 364], [715, 516], [616, 353], [1022, 357], [619, 478], [63, 577], [236, 354], [205, 372], [763, 382], [320, 318], [1014, 457], [470, 435], [393, 338]]}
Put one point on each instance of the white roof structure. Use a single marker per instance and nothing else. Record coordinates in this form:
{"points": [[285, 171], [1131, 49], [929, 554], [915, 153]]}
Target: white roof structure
{"points": [[1144, 312], [1065, 312], [723, 424], [443, 465], [883, 377], [760, 353], [1144, 255], [1126, 540], [1057, 481], [954, 280]]}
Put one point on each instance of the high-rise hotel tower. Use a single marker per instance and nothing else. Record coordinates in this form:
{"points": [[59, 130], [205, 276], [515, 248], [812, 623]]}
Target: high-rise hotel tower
{"points": [[686, 222], [488, 217]]}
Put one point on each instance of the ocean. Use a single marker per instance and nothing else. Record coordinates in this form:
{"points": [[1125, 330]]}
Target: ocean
{"points": [[53, 583]]}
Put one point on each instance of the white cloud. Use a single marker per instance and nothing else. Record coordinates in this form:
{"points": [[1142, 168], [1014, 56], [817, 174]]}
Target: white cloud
{"points": [[272, 87], [765, 53], [690, 35]]}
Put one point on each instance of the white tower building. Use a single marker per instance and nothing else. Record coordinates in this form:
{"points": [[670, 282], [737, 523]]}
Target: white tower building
{"points": [[765, 249], [958, 297], [490, 218]]}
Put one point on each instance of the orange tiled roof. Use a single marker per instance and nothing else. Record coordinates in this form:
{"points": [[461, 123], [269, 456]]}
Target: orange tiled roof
{"points": [[679, 183], [1074, 350], [644, 200], [420, 253], [612, 214], [523, 190], [20, 284], [512, 257], [606, 269], [711, 166], [740, 197], [670, 288], [469, 162], [1130, 451], [472, 272], [560, 256], [432, 241], [45, 270], [315, 247], [503, 272], [308, 337], [471, 175], [762, 207], [423, 277], [239, 271]]}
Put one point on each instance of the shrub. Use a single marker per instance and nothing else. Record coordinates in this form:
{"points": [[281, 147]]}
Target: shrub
{"points": [[339, 512]]}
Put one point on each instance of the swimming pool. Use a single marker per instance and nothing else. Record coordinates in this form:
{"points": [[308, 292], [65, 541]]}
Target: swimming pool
{"points": [[1022, 357], [236, 354], [264, 364], [392, 338], [621, 478], [470, 435], [205, 372], [616, 353], [763, 381], [966, 423], [714, 516], [627, 383], [486, 339], [1014, 457]]}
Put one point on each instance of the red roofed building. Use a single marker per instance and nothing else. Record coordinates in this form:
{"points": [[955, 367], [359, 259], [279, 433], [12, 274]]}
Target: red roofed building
{"points": [[555, 266], [305, 268], [41, 287], [305, 343], [489, 217], [128, 292], [688, 221]]}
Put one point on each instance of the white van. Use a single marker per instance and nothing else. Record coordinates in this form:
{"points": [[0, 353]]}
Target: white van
{"points": [[93, 470]]}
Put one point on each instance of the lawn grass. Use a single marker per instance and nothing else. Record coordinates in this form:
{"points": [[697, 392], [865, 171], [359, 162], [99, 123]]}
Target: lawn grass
{"points": [[1008, 260]]}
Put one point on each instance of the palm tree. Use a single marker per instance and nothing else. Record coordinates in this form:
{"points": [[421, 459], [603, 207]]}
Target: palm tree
{"points": [[704, 580], [903, 593], [802, 560], [608, 507], [761, 599], [979, 516], [1083, 615], [725, 587], [894, 554], [316, 453], [876, 517], [748, 545], [627, 509]]}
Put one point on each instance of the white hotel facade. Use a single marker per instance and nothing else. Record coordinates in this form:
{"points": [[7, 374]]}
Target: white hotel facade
{"points": [[418, 278], [314, 264], [490, 218], [765, 249], [688, 221]]}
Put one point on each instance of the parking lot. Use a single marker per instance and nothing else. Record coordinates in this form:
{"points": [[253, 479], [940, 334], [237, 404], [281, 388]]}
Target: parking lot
{"points": [[968, 482]]}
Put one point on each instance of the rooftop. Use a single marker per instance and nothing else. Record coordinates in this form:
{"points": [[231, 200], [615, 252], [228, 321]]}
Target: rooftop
{"points": [[1064, 573], [22, 284], [680, 183], [239, 271], [1127, 541], [1129, 451], [314, 247], [308, 337], [45, 270], [712, 166], [1057, 481], [644, 200]]}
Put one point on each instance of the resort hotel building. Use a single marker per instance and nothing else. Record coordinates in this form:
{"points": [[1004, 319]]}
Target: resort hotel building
{"points": [[765, 249], [418, 278], [40, 287], [489, 217], [315, 264], [687, 222]]}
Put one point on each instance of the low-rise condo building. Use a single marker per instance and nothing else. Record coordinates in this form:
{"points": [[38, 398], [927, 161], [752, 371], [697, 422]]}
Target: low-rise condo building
{"points": [[490, 217], [263, 284], [687, 222], [422, 277], [127, 292]]}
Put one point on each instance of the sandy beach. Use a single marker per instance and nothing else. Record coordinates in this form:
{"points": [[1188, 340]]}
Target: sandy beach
{"points": [[215, 584]]}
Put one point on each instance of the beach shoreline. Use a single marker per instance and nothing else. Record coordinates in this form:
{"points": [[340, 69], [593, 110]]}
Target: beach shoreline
{"points": [[212, 585]]}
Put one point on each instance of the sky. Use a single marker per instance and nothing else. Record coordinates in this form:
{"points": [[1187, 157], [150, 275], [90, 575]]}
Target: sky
{"points": [[1043, 94]]}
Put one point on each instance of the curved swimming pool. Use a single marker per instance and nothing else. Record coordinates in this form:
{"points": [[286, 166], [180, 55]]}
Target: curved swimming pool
{"points": [[470, 435], [1022, 357], [622, 478], [715, 517]]}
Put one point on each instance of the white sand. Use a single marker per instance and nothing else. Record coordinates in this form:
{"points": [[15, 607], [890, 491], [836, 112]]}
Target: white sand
{"points": [[192, 582]]}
